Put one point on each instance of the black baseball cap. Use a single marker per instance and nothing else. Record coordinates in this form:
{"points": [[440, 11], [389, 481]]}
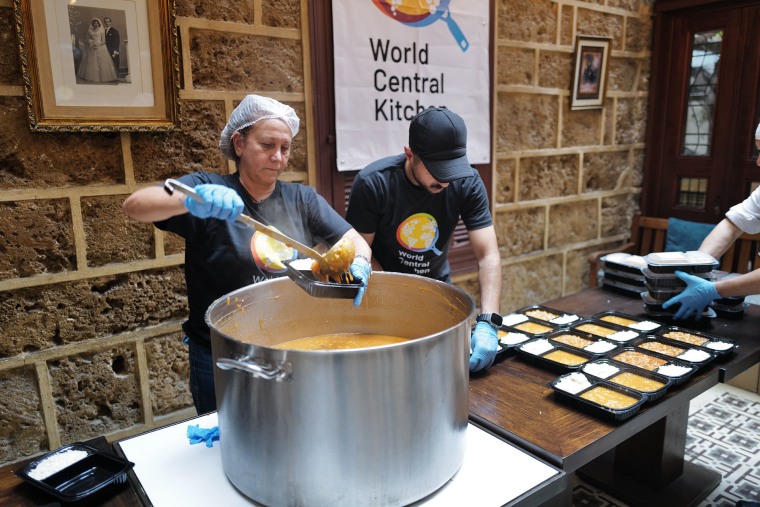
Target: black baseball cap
{"points": [[439, 137]]}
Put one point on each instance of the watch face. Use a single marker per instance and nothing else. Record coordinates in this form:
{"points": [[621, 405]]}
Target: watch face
{"points": [[492, 318]]}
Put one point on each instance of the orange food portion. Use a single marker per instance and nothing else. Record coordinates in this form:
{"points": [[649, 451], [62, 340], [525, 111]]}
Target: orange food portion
{"points": [[640, 359], [662, 348], [620, 321], [338, 258], [686, 337], [572, 340], [533, 328], [637, 382], [596, 329], [609, 398], [563, 357]]}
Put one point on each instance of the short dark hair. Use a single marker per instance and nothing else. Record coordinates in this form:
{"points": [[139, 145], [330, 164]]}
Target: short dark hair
{"points": [[106, 18]]}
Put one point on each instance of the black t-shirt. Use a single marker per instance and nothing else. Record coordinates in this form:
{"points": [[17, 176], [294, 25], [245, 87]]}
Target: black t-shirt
{"points": [[413, 227], [222, 256]]}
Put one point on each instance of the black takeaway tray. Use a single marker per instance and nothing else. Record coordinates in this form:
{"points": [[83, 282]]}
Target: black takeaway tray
{"points": [[688, 337], [546, 314], [76, 471], [600, 397], [650, 384], [651, 361], [554, 357], [623, 319]]}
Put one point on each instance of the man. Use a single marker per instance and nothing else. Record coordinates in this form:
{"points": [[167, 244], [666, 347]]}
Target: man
{"points": [[112, 42], [406, 207], [744, 217]]}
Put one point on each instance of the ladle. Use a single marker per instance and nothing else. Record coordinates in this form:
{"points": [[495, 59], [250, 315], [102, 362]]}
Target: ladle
{"points": [[334, 267]]}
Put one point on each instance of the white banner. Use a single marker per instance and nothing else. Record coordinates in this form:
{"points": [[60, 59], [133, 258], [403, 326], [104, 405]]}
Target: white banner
{"points": [[394, 58]]}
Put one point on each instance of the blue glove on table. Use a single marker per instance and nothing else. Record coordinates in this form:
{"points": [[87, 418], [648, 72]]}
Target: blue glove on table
{"points": [[218, 202], [695, 297], [196, 435], [361, 270], [484, 344]]}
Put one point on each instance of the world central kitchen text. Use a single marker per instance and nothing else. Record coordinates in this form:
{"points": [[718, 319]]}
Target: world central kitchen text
{"points": [[395, 109]]}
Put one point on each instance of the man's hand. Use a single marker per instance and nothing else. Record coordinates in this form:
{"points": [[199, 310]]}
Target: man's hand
{"points": [[484, 343]]}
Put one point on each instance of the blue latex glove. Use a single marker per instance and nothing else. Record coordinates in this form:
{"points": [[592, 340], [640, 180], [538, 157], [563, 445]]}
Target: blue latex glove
{"points": [[484, 343], [218, 202], [361, 270], [695, 297], [197, 435]]}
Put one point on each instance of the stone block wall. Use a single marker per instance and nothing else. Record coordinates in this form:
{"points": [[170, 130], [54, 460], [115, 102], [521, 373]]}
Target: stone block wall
{"points": [[566, 183], [91, 302]]}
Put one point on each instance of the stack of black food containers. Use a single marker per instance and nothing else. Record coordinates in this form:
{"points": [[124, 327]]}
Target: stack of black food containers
{"points": [[662, 283], [622, 272]]}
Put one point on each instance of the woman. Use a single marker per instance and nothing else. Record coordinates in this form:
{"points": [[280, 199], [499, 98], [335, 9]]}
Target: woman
{"points": [[222, 256], [96, 64]]}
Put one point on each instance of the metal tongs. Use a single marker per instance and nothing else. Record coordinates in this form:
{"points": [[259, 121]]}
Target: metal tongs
{"points": [[345, 289]]}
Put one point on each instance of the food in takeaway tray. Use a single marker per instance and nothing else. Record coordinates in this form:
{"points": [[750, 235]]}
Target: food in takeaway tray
{"points": [[533, 328], [537, 347], [572, 340], [596, 329], [694, 356], [640, 359], [510, 338], [600, 347], [623, 336], [685, 337], [565, 318], [668, 350], [638, 382], [673, 370], [645, 325], [573, 383], [513, 318], [719, 345], [539, 314], [601, 370], [566, 358], [609, 398], [616, 319]]}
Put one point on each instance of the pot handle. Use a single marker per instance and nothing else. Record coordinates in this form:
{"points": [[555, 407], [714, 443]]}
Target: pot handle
{"points": [[278, 373]]}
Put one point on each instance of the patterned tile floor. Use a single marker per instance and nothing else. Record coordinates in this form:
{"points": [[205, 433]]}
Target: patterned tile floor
{"points": [[724, 435]]}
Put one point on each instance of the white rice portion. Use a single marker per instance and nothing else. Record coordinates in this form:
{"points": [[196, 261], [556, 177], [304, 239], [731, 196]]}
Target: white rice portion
{"points": [[537, 347], [565, 319], [56, 462], [600, 346], [623, 336], [645, 325], [513, 318], [672, 370], [694, 356], [573, 383], [601, 370], [718, 345], [513, 338]]}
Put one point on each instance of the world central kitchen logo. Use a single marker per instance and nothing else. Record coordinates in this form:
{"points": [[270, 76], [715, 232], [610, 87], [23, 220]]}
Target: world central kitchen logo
{"points": [[409, 77]]}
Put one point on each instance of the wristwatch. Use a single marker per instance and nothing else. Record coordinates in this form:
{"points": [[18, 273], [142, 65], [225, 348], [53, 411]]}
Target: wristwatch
{"points": [[492, 318]]}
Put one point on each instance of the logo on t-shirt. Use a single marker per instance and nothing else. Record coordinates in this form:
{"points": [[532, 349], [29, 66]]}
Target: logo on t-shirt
{"points": [[418, 233], [269, 253]]}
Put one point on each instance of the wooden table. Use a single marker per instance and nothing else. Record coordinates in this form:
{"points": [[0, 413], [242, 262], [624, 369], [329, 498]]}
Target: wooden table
{"points": [[641, 460]]}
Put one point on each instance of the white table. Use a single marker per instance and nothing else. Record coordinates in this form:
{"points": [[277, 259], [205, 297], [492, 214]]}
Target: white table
{"points": [[173, 472]]}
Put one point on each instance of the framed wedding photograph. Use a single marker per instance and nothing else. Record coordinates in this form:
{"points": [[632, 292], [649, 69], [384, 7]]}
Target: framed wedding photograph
{"points": [[590, 72], [99, 65]]}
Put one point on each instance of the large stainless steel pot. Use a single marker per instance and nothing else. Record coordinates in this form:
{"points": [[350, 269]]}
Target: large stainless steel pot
{"points": [[372, 427]]}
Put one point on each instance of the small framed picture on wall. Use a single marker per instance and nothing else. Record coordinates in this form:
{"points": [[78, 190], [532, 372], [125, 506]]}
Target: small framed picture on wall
{"points": [[590, 73]]}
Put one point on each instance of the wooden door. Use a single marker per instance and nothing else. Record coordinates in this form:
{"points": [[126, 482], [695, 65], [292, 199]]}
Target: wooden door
{"points": [[700, 153]]}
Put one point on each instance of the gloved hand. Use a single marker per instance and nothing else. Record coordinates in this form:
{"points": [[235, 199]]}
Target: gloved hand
{"points": [[360, 269], [695, 297], [484, 343], [218, 202]]}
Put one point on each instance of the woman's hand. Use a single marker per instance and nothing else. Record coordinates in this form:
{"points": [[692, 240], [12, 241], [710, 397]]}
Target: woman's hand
{"points": [[218, 202]]}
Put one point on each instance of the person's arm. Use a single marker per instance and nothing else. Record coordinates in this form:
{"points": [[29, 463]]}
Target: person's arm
{"points": [[486, 251], [152, 204], [370, 238], [720, 238], [743, 285]]}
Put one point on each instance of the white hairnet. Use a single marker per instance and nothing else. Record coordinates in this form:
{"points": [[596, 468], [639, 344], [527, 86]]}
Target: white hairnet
{"points": [[251, 110], [757, 132]]}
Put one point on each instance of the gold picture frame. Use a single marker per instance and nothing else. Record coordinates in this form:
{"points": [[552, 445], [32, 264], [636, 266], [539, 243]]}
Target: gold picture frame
{"points": [[590, 72], [64, 55]]}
